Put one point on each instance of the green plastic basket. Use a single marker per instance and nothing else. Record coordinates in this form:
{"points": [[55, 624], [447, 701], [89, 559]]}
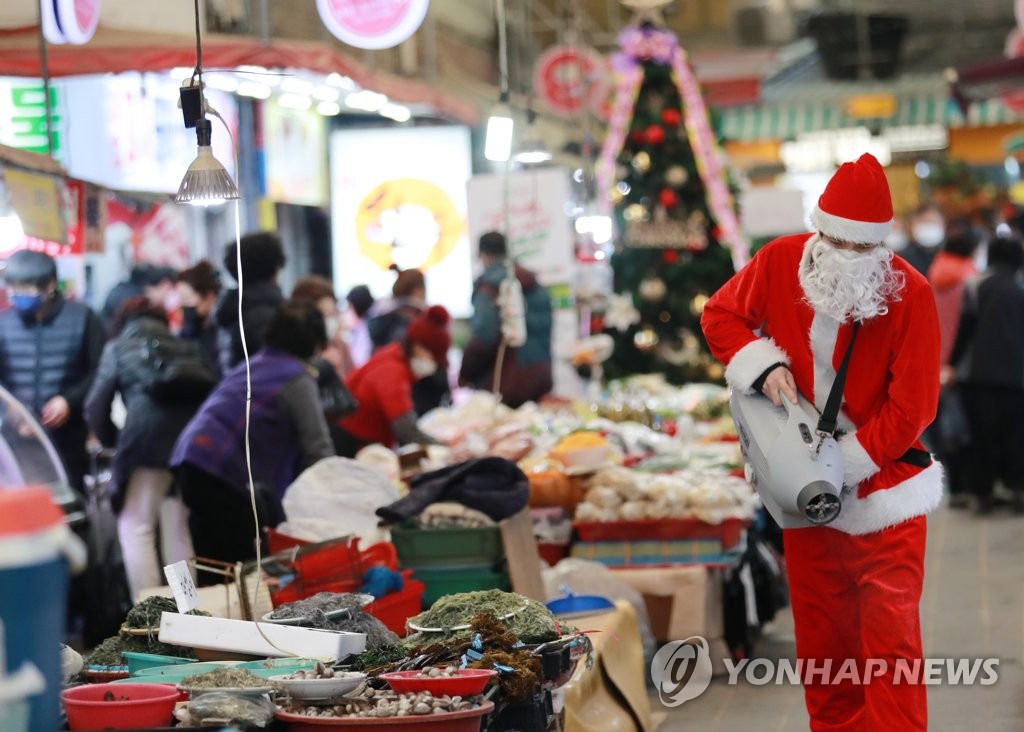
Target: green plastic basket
{"points": [[441, 581], [138, 662], [461, 548]]}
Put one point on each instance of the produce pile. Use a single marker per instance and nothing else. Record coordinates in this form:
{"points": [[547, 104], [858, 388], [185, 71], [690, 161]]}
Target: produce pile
{"points": [[377, 704], [313, 614], [619, 494], [226, 678], [453, 615], [108, 653]]}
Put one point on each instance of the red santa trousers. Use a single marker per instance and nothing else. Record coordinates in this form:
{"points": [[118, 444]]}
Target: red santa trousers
{"points": [[858, 597]]}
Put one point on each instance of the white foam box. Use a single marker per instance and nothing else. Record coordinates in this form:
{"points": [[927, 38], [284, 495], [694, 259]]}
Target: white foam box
{"points": [[242, 636]]}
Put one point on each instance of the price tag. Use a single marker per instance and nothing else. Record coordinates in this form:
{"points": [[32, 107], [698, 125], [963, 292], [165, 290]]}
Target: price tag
{"points": [[182, 585]]}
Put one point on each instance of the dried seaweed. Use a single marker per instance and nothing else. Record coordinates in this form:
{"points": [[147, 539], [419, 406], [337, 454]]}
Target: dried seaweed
{"points": [[225, 678], [378, 658], [520, 683], [323, 602], [108, 653], [531, 621]]}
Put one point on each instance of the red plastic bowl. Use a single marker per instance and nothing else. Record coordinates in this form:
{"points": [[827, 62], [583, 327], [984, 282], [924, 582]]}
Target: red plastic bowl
{"points": [[134, 706], [467, 682], [468, 720]]}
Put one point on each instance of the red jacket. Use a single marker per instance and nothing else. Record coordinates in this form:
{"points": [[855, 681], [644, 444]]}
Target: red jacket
{"points": [[383, 388], [760, 317]]}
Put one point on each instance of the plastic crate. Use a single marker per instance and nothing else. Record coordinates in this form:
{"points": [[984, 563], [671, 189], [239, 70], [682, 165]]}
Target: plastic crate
{"points": [[394, 609], [441, 581], [728, 532], [460, 548]]}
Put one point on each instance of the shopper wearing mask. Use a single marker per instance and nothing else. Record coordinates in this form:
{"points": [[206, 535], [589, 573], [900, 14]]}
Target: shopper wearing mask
{"points": [[927, 231], [49, 351], [198, 289], [142, 496], [383, 387], [319, 291]]}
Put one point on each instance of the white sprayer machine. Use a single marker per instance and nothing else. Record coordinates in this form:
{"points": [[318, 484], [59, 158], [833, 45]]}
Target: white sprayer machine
{"points": [[797, 470]]}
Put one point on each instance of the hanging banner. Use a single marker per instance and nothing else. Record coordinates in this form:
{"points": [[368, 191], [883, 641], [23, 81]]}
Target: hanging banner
{"points": [[37, 200], [372, 24], [295, 155], [539, 234], [398, 197], [570, 80], [158, 232]]}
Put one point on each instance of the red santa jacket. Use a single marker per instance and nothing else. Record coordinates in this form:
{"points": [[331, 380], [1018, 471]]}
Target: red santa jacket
{"points": [[760, 317]]}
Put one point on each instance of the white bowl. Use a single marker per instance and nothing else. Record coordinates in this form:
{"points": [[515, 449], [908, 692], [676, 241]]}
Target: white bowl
{"points": [[318, 689]]}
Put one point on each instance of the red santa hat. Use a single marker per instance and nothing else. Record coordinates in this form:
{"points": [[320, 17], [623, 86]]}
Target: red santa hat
{"points": [[430, 330], [856, 205]]}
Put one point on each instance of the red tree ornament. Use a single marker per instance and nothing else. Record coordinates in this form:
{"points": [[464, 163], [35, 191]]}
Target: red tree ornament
{"points": [[671, 117], [655, 135], [670, 256], [668, 198], [637, 136]]}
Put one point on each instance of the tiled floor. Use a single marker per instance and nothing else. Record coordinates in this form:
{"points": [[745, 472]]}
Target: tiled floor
{"points": [[973, 607]]}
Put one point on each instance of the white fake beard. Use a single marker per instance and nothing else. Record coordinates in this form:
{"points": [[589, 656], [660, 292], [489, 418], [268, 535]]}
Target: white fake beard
{"points": [[849, 285]]}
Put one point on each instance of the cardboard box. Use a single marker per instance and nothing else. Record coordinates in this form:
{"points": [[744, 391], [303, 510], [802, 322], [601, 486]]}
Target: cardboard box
{"points": [[681, 601]]}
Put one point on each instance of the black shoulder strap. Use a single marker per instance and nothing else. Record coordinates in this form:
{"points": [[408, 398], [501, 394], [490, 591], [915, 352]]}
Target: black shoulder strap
{"points": [[829, 420]]}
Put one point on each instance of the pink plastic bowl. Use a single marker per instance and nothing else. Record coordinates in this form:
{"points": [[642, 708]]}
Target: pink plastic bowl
{"points": [[129, 706]]}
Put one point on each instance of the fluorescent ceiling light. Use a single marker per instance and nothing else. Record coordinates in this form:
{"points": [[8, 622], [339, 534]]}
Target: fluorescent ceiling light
{"points": [[397, 112], [292, 85], [328, 109], [326, 94], [366, 100], [343, 82], [294, 101], [254, 90]]}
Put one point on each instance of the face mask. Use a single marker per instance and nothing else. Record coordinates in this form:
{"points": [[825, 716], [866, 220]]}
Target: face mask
{"points": [[333, 324], [929, 235], [27, 304], [191, 315], [422, 367], [896, 241]]}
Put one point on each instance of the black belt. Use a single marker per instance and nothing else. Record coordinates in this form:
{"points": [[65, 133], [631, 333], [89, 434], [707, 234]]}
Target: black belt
{"points": [[913, 456], [917, 458]]}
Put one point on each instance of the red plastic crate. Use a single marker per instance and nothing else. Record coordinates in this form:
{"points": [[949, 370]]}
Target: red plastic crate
{"points": [[394, 609], [331, 566], [729, 531]]}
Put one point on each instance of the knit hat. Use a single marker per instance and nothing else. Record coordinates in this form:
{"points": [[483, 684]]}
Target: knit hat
{"points": [[430, 330], [856, 205]]}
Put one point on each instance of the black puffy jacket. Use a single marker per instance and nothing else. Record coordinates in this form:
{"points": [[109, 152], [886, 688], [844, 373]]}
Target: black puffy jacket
{"points": [[259, 303], [55, 356]]}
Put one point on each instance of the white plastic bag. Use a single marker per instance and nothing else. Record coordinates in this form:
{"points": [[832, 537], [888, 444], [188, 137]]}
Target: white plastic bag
{"points": [[335, 497]]}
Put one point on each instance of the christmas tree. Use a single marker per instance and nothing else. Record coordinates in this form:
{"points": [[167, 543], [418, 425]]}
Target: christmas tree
{"points": [[678, 239]]}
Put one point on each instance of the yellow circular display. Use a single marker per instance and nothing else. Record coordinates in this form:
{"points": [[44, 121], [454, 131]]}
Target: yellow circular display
{"points": [[409, 222]]}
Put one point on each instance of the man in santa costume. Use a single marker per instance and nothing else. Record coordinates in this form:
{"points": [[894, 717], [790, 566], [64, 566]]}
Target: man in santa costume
{"points": [[783, 323]]}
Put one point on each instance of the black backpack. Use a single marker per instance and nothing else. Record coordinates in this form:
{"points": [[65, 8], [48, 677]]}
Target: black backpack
{"points": [[170, 370]]}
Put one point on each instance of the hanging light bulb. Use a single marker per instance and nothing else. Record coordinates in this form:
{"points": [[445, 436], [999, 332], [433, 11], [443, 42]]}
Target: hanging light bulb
{"points": [[532, 150], [498, 146], [206, 182]]}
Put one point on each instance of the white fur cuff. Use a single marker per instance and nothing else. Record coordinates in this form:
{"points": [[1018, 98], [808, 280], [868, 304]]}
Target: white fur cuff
{"points": [[751, 361], [857, 464], [858, 232], [916, 496]]}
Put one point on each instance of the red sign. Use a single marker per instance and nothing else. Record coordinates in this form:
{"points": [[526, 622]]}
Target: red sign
{"points": [[571, 79], [372, 24]]}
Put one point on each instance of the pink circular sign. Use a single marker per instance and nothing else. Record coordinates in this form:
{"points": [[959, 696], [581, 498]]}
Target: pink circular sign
{"points": [[372, 24], [78, 19], [570, 79]]}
